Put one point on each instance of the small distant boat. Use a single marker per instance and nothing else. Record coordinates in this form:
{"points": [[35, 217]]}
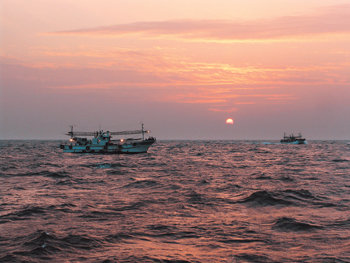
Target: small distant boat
{"points": [[101, 142], [293, 139]]}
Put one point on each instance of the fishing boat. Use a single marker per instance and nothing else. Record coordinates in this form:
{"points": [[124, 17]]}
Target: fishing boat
{"points": [[293, 139], [101, 142]]}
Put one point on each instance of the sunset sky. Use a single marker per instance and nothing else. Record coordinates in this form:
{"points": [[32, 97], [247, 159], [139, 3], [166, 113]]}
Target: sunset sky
{"points": [[182, 67]]}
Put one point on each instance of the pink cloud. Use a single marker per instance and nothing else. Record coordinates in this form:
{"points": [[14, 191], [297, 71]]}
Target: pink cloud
{"points": [[330, 20]]}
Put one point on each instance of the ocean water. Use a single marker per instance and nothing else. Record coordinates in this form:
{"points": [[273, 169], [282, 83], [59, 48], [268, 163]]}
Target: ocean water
{"points": [[183, 201]]}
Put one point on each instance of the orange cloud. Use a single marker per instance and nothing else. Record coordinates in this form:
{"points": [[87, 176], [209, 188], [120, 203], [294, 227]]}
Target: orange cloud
{"points": [[163, 76], [331, 20]]}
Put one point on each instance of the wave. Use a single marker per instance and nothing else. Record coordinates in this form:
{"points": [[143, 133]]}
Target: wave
{"points": [[168, 234], [147, 259], [108, 165], [134, 206], [9, 258], [36, 165], [116, 172], [43, 243], [291, 224], [118, 237], [340, 160], [329, 260], [286, 197], [173, 232], [341, 223], [263, 177], [81, 241], [300, 194], [286, 178], [154, 232], [30, 211], [101, 215], [195, 197], [59, 174], [8, 167], [66, 207], [142, 184], [201, 199], [231, 187], [94, 165], [23, 214], [253, 258], [264, 198], [242, 240]]}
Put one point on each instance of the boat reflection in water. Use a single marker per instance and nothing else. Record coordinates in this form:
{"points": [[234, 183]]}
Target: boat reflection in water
{"points": [[293, 139], [101, 142]]}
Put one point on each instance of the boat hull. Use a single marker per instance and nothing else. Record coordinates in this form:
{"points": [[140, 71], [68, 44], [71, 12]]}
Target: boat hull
{"points": [[128, 147], [89, 149], [295, 142], [139, 147]]}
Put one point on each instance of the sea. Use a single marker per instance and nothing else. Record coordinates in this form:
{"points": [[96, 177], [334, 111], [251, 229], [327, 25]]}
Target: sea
{"points": [[183, 201]]}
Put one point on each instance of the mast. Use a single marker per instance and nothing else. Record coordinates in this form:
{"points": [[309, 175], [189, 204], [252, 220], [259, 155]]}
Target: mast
{"points": [[71, 131], [143, 132]]}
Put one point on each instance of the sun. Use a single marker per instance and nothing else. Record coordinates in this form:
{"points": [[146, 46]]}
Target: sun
{"points": [[229, 121]]}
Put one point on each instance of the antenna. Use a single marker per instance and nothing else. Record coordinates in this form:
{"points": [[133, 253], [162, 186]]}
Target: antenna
{"points": [[71, 131]]}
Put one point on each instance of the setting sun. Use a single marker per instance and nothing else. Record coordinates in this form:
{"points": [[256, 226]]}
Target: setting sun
{"points": [[229, 121]]}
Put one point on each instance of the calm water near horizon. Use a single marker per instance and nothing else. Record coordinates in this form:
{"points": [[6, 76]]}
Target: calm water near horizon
{"points": [[183, 201]]}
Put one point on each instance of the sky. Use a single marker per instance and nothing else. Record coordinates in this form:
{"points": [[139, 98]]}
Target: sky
{"points": [[181, 67]]}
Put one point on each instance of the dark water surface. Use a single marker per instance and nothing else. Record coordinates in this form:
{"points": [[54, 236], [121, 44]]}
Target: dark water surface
{"points": [[184, 201]]}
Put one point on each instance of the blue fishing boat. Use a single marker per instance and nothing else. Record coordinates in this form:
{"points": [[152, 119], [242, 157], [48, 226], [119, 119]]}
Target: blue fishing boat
{"points": [[102, 142], [293, 139]]}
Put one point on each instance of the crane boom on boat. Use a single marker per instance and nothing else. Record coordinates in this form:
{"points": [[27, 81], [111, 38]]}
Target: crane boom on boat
{"points": [[79, 133]]}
